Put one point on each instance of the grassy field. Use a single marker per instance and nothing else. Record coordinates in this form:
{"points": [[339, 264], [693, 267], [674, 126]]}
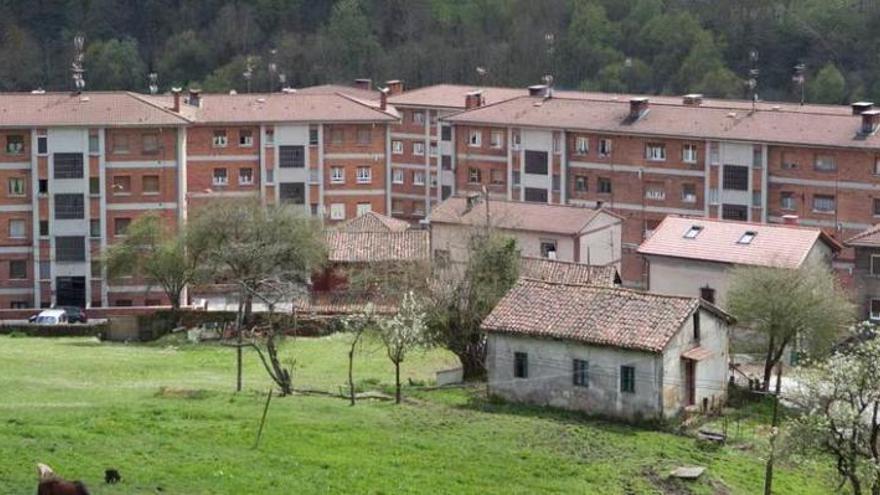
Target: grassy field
{"points": [[166, 417]]}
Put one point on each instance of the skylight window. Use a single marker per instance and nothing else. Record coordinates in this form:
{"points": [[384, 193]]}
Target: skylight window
{"points": [[747, 238], [693, 232]]}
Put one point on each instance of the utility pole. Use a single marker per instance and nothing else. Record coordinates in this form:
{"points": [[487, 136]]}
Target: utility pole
{"points": [[774, 432]]}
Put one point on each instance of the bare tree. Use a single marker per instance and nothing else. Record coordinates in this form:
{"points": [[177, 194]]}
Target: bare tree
{"points": [[804, 306], [401, 333], [357, 324]]}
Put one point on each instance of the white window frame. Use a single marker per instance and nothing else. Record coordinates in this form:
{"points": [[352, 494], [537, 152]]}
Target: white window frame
{"points": [[158, 185], [790, 197], [418, 178], [364, 208], [655, 192], [337, 211], [418, 116], [15, 150], [364, 175], [497, 139], [689, 153], [655, 152], [434, 150], [873, 263], [832, 163], [23, 232], [475, 138], [397, 176], [243, 180], [245, 140], [337, 175], [219, 140], [827, 212], [19, 190], [688, 197], [872, 314], [582, 145], [220, 179], [605, 147], [418, 148], [397, 147]]}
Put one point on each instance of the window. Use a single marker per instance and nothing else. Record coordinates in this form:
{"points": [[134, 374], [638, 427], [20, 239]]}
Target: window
{"points": [[270, 136], [697, 325], [418, 149], [557, 143], [19, 305], [44, 228], [548, 249], [735, 212], [123, 303], [714, 153], [120, 225], [875, 309], [580, 183], [45, 270], [17, 269], [536, 162], [245, 138], [95, 228], [877, 166], [688, 193], [604, 147], [42, 145], [120, 144], [434, 150], [150, 184], [313, 135], [220, 139], [693, 232], [520, 365], [69, 248], [68, 165], [337, 136], [475, 138], [14, 144], [474, 175], [823, 203], [757, 156], [497, 177], [517, 140], [96, 268], [757, 198], [876, 207], [418, 209], [364, 175], [655, 152], [150, 144], [825, 163], [497, 139], [121, 184], [43, 186], [433, 179], [418, 117], [270, 176], [655, 191], [747, 237], [445, 192], [397, 176], [220, 177], [69, 206], [94, 186], [364, 136], [875, 264], [736, 178], [628, 379], [515, 177], [786, 200], [246, 176], [707, 294], [363, 208], [337, 211], [536, 195], [713, 195], [689, 153], [337, 175], [292, 193], [16, 229], [789, 161], [396, 206], [604, 185], [16, 186], [580, 377], [582, 145], [397, 147], [94, 143], [291, 157], [418, 178], [446, 133]]}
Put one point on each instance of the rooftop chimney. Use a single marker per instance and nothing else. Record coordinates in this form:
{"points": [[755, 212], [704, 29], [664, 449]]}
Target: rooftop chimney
{"points": [[790, 220], [693, 99], [364, 83], [637, 107], [538, 90], [861, 106], [176, 92], [472, 201], [383, 98], [473, 99], [395, 87], [195, 97], [870, 121]]}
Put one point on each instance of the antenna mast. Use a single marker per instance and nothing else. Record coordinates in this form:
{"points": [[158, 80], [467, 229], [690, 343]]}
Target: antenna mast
{"points": [[76, 68], [800, 79], [753, 77]]}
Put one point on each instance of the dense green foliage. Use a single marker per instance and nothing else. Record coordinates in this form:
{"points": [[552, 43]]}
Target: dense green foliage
{"points": [[165, 416], [670, 46]]}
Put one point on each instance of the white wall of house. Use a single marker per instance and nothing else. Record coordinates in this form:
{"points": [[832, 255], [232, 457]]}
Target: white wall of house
{"points": [[685, 277], [454, 239], [601, 240]]}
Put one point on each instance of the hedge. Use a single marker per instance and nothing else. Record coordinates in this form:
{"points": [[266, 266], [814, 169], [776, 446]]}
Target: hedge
{"points": [[64, 330]]}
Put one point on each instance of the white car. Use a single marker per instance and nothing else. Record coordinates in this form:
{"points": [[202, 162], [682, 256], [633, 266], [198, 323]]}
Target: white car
{"points": [[51, 317]]}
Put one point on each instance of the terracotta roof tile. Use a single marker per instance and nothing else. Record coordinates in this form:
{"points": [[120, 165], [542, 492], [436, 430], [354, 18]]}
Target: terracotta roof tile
{"points": [[118, 109], [332, 304], [603, 316], [373, 222], [362, 94], [366, 247], [784, 246], [452, 95], [568, 273], [557, 219]]}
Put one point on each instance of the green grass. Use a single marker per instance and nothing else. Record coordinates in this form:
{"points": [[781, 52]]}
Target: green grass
{"points": [[82, 406]]}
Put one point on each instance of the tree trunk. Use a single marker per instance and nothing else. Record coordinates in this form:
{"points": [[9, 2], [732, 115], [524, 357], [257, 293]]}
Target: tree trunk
{"points": [[282, 375], [351, 375], [397, 381], [238, 338], [473, 364], [768, 364]]}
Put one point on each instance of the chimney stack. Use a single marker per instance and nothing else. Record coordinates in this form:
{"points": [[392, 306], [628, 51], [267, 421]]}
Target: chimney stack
{"points": [[790, 220], [194, 97], [473, 99], [363, 83], [176, 92], [395, 87], [870, 121], [861, 106], [637, 107], [538, 90], [693, 99], [383, 98]]}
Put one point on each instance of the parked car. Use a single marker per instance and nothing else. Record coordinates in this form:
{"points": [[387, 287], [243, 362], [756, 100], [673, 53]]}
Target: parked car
{"points": [[74, 314], [50, 317]]}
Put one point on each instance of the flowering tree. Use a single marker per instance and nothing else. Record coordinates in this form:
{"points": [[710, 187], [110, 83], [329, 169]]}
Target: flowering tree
{"points": [[401, 333], [841, 400], [356, 325]]}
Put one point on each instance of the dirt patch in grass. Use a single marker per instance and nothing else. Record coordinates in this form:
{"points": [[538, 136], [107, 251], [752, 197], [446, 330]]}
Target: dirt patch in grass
{"points": [[182, 393]]}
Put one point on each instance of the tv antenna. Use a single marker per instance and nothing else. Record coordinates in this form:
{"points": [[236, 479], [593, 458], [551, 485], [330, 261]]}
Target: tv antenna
{"points": [[273, 69], [76, 68], [800, 79], [248, 71], [752, 82], [154, 83], [482, 72]]}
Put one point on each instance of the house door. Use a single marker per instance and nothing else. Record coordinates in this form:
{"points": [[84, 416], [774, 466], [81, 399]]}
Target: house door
{"points": [[690, 382], [70, 291]]}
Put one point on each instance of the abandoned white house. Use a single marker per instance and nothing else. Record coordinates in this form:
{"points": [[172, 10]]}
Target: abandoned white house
{"points": [[607, 351]]}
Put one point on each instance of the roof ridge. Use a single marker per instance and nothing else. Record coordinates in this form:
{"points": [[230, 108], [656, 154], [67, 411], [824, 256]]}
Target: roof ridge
{"points": [[168, 111], [611, 288], [362, 103]]}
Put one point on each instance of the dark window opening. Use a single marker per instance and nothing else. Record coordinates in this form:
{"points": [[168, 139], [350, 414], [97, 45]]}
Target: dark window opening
{"points": [[68, 165], [736, 178], [293, 192], [628, 379], [580, 374], [536, 162], [520, 365], [291, 157], [707, 294], [536, 195], [735, 212], [70, 248]]}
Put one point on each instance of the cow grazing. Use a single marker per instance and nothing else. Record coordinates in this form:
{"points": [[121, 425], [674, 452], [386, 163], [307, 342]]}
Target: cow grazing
{"points": [[52, 484], [112, 476]]}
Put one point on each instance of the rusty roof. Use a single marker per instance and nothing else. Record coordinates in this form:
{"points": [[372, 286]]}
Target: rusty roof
{"points": [[776, 245], [373, 222], [868, 238], [97, 108], [604, 316], [368, 247], [566, 272], [513, 215]]}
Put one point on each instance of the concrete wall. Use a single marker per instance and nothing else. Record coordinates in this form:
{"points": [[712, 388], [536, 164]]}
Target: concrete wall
{"points": [[600, 244], [866, 286], [454, 238], [684, 277]]}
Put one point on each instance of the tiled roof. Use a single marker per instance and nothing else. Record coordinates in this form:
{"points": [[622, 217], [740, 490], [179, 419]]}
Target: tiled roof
{"points": [[868, 238], [603, 316], [567, 273], [535, 217], [783, 246], [452, 95], [373, 222], [362, 94], [663, 120], [332, 304], [98, 108], [366, 247]]}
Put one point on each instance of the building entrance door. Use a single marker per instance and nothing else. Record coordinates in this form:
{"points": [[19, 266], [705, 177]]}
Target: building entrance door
{"points": [[70, 291], [690, 382]]}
